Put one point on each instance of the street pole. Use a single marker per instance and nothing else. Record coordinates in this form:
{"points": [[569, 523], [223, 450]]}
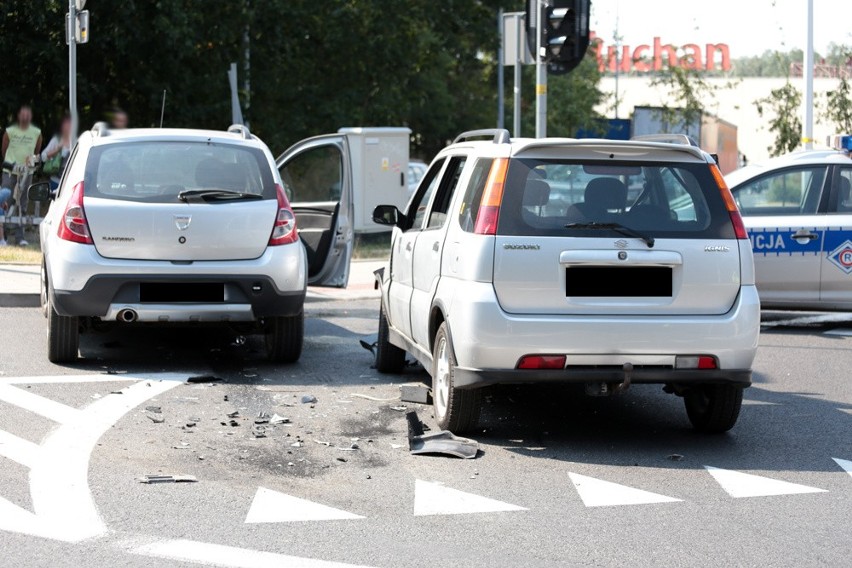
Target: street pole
{"points": [[501, 73], [808, 135], [516, 106], [72, 69], [540, 78]]}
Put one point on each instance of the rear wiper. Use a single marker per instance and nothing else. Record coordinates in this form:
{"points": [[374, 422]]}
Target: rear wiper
{"points": [[206, 195], [617, 227]]}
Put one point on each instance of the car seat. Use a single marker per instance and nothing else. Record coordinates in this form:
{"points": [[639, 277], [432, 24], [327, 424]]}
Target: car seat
{"points": [[603, 196]]}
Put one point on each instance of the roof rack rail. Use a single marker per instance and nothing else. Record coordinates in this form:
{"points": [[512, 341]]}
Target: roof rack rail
{"points": [[667, 139], [501, 135], [100, 129], [240, 129]]}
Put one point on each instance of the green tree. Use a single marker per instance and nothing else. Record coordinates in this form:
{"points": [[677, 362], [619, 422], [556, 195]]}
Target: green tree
{"points": [[781, 107]]}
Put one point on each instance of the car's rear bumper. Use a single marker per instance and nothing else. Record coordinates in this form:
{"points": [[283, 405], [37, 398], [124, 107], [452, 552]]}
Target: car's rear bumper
{"points": [[488, 342], [245, 298], [470, 378]]}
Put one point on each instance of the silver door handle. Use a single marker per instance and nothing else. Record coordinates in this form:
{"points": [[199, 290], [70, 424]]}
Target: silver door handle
{"points": [[408, 246], [805, 234], [436, 246]]}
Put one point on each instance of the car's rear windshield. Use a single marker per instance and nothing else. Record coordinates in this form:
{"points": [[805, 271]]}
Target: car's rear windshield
{"points": [[157, 172], [552, 197]]}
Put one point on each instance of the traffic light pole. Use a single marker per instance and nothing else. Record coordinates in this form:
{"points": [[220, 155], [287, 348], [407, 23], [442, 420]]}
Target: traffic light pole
{"points": [[540, 78], [72, 69]]}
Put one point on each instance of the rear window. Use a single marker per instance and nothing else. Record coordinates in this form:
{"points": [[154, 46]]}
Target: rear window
{"points": [[673, 200], [156, 172]]}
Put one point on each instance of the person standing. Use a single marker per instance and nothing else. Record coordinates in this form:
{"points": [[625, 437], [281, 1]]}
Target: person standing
{"points": [[20, 141], [55, 154]]}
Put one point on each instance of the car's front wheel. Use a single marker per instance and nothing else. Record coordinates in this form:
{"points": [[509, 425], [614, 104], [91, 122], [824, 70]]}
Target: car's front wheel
{"points": [[63, 336], [284, 337], [455, 409], [713, 408]]}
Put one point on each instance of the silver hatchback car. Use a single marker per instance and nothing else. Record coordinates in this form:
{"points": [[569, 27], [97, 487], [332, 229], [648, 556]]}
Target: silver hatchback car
{"points": [[191, 227], [587, 261]]}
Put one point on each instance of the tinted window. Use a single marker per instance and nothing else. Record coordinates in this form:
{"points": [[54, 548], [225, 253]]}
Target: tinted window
{"points": [[314, 175], [665, 199], [788, 192], [157, 172], [469, 207], [417, 208], [842, 201], [449, 183]]}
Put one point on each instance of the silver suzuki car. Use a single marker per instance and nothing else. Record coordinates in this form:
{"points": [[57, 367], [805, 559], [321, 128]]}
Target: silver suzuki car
{"points": [[588, 261], [193, 227]]}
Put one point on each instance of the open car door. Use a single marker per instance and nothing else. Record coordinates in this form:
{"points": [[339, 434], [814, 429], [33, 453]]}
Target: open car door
{"points": [[317, 176]]}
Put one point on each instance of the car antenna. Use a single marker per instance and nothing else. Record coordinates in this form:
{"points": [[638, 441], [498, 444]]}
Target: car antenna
{"points": [[163, 108]]}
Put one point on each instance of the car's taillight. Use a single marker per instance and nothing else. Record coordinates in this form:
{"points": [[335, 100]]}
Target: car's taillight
{"points": [[542, 362], [74, 226], [695, 362], [284, 229], [730, 204], [492, 197]]}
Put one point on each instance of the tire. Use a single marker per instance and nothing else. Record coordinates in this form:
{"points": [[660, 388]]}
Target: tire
{"points": [[456, 410], [63, 336], [284, 338], [389, 357], [713, 409]]}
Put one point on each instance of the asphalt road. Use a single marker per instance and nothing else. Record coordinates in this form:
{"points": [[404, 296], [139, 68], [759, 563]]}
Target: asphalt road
{"points": [[561, 480]]}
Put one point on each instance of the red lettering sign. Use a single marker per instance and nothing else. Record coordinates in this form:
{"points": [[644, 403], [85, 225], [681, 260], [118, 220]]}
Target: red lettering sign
{"points": [[714, 56]]}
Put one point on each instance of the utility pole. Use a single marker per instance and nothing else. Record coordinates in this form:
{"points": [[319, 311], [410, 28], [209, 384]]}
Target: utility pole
{"points": [[501, 73], [808, 126], [540, 76], [72, 69], [247, 64], [516, 107]]}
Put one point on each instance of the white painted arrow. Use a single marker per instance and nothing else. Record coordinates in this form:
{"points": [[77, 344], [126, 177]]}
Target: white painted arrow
{"points": [[738, 484], [271, 506], [435, 499], [63, 508], [599, 493], [845, 464]]}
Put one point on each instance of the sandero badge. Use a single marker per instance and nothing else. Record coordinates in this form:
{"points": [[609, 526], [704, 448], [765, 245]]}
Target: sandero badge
{"points": [[842, 257]]}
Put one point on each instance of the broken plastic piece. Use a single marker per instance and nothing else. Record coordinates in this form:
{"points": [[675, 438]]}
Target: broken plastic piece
{"points": [[167, 479], [309, 399], [415, 392], [443, 442]]}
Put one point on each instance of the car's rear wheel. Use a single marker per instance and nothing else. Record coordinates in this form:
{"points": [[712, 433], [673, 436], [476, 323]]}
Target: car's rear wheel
{"points": [[713, 408], [284, 338], [389, 357], [455, 410], [63, 336]]}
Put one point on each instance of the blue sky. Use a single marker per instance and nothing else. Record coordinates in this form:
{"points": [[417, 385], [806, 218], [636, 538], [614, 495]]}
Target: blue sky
{"points": [[749, 27]]}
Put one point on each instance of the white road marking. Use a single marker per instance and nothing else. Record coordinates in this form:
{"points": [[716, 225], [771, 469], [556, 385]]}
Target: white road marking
{"points": [[843, 332], [435, 499], [230, 556], [599, 493], [59, 379], [271, 506], [59, 467], [40, 405], [747, 402], [846, 410], [845, 464], [738, 484], [17, 449]]}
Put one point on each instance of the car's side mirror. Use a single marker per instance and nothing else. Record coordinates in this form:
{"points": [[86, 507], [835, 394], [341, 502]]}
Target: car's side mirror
{"points": [[388, 215], [40, 192]]}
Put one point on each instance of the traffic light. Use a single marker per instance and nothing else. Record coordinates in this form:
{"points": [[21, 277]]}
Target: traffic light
{"points": [[564, 29]]}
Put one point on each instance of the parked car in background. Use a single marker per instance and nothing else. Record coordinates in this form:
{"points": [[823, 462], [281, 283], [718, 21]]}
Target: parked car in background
{"points": [[495, 276], [192, 227], [798, 212], [416, 170]]}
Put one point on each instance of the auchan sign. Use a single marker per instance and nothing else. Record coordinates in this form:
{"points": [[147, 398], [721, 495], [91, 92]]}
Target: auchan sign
{"points": [[644, 58]]}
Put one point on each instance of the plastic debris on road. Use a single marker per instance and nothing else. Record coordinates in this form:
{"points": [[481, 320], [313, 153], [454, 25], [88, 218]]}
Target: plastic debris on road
{"points": [[443, 442]]}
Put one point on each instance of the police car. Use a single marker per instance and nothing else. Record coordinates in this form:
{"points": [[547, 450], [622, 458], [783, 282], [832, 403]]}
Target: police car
{"points": [[798, 212]]}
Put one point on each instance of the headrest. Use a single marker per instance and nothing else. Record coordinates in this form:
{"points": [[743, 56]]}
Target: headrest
{"points": [[605, 193], [209, 173], [536, 193]]}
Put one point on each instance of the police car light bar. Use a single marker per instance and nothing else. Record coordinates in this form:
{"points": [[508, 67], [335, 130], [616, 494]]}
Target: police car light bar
{"points": [[840, 142]]}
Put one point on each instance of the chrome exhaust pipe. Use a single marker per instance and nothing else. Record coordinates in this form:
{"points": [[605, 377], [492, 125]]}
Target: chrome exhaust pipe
{"points": [[127, 316]]}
